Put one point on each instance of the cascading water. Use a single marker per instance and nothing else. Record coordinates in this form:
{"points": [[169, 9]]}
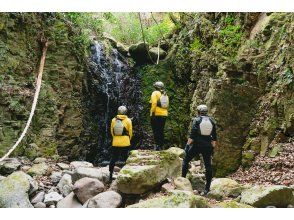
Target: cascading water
{"points": [[109, 83]]}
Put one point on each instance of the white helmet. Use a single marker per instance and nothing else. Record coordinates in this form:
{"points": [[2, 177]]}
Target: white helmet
{"points": [[158, 85], [202, 109], [122, 110]]}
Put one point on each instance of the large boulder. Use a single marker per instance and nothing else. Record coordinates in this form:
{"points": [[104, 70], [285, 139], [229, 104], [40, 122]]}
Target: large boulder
{"points": [[9, 165], [231, 204], [70, 201], [139, 52], [65, 185], [145, 170], [15, 190], [87, 188], [182, 183], [263, 196], [38, 169], [224, 187], [101, 174], [108, 199], [180, 199]]}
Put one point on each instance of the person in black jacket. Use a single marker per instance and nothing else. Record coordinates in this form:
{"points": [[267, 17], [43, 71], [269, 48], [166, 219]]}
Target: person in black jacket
{"points": [[202, 141]]}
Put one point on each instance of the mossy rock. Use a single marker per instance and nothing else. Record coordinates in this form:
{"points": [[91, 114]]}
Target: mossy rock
{"points": [[178, 199], [263, 196], [145, 170], [39, 169], [178, 151], [231, 204], [14, 191], [224, 187]]}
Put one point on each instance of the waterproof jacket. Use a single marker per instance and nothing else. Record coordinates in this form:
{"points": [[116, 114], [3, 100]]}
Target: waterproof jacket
{"points": [[200, 141], [156, 110], [124, 140]]}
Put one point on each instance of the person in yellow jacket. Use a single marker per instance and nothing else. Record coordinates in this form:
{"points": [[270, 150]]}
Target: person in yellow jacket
{"points": [[122, 132], [158, 112]]}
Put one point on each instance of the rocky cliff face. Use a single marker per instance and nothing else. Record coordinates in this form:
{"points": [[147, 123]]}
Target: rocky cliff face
{"points": [[57, 122], [241, 66]]}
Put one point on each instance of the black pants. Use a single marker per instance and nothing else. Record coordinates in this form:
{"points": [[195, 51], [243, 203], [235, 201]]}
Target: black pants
{"points": [[206, 154], [157, 124], [115, 153]]}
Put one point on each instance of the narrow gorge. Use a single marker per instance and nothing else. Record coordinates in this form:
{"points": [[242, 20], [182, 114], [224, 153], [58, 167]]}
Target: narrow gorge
{"points": [[239, 64]]}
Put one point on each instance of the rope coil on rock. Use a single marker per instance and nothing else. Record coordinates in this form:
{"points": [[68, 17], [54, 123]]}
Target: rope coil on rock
{"points": [[36, 96]]}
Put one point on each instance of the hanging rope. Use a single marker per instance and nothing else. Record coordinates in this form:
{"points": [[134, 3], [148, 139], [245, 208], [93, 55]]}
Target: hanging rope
{"points": [[37, 92]]}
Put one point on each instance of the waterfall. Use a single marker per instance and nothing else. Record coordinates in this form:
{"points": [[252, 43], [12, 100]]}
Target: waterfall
{"points": [[109, 83]]}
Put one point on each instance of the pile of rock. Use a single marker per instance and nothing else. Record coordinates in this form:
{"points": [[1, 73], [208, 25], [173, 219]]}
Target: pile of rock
{"points": [[149, 179]]}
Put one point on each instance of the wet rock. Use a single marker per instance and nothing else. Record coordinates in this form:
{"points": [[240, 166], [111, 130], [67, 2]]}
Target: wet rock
{"points": [[40, 205], [101, 174], [63, 166], [52, 198], [123, 49], [231, 204], [262, 196], [14, 191], [38, 198], [178, 199], [197, 181], [87, 188], [77, 164], [9, 165], [108, 199], [65, 185], [70, 201], [182, 183], [145, 170], [56, 177], [224, 187], [39, 169], [40, 160]]}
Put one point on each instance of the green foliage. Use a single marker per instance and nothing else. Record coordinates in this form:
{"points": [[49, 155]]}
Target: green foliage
{"points": [[83, 26], [196, 46], [229, 40], [126, 27]]}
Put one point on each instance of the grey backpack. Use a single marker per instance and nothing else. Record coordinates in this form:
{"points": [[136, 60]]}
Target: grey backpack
{"points": [[205, 126], [163, 101], [118, 128]]}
